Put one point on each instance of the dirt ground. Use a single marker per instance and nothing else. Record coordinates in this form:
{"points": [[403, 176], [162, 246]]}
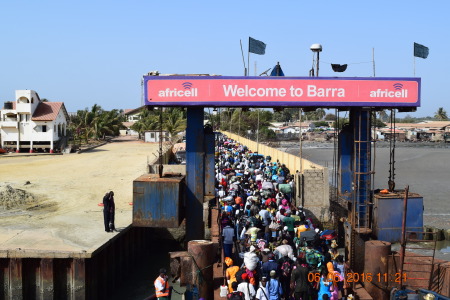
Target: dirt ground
{"points": [[66, 190]]}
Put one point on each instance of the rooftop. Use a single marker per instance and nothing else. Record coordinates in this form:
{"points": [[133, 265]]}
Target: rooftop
{"points": [[48, 111]]}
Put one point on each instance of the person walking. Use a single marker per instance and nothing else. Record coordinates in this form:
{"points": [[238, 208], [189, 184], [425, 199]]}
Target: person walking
{"points": [[274, 287], [262, 293], [162, 289], [299, 280], [325, 285], [246, 288], [228, 239], [112, 212], [106, 214], [235, 294], [270, 265]]}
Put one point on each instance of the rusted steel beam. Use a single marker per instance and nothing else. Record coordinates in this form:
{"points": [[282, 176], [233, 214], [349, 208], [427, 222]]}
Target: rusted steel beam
{"points": [[46, 288], [4, 278], [15, 278], [78, 279], [376, 262]]}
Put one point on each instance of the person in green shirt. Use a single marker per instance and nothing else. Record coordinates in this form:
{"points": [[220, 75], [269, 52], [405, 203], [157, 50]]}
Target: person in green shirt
{"points": [[295, 217], [289, 222]]}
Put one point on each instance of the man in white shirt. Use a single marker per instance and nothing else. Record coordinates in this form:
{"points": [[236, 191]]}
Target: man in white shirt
{"points": [[261, 293], [246, 288]]}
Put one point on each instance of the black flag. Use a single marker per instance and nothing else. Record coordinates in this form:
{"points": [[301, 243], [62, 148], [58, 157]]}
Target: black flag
{"points": [[420, 50], [255, 46]]}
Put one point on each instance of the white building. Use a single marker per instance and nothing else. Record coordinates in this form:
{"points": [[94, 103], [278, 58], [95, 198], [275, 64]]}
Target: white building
{"points": [[29, 123], [132, 116], [152, 136]]}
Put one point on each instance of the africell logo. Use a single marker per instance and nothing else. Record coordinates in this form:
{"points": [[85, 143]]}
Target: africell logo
{"points": [[398, 86], [398, 92], [186, 91]]}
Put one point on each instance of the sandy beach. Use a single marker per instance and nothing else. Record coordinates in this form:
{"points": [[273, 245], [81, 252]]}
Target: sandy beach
{"points": [[64, 214]]}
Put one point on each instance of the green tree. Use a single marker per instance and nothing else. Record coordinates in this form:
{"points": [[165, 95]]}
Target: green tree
{"points": [[383, 115], [96, 123], [441, 114], [378, 123], [407, 119], [174, 120], [321, 123], [148, 120], [330, 117], [286, 115], [317, 114], [108, 123], [83, 123], [342, 122], [320, 112], [266, 134]]}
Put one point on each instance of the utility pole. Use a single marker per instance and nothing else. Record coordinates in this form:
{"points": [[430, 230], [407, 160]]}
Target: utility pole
{"points": [[257, 135]]}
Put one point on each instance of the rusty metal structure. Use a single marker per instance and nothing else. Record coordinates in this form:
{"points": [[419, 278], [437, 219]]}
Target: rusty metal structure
{"points": [[158, 201], [73, 275]]}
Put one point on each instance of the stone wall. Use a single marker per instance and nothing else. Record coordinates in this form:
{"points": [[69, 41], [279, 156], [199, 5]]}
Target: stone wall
{"points": [[315, 196]]}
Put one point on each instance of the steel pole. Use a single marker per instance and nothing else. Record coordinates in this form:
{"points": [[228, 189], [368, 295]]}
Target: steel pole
{"points": [[403, 238], [317, 72], [257, 135], [195, 170]]}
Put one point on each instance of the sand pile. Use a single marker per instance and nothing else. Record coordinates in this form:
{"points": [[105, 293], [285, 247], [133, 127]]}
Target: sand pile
{"points": [[11, 198]]}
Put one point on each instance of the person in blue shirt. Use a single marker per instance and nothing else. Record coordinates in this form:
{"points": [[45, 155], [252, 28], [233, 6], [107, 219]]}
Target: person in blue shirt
{"points": [[228, 239], [269, 265], [274, 287], [325, 285]]}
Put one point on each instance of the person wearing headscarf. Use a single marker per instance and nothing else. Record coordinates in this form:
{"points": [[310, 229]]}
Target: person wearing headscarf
{"points": [[230, 272]]}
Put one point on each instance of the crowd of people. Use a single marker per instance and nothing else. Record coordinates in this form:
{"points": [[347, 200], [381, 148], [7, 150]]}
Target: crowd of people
{"points": [[272, 249]]}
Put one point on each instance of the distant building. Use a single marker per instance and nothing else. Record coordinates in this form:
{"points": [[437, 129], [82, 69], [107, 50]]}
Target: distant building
{"points": [[132, 116], [152, 136], [29, 123]]}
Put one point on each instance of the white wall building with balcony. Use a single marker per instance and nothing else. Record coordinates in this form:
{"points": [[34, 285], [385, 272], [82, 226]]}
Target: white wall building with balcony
{"points": [[29, 123]]}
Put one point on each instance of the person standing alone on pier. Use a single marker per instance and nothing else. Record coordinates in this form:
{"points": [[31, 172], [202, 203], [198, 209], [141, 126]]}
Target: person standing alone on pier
{"points": [[112, 212], [106, 213]]}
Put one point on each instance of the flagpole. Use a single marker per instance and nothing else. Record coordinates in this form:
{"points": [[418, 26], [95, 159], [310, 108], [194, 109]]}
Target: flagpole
{"points": [[248, 57], [257, 134], [243, 60], [414, 66], [300, 111], [373, 61]]}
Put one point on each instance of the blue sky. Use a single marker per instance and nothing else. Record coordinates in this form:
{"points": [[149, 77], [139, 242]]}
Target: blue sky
{"points": [[87, 52]]}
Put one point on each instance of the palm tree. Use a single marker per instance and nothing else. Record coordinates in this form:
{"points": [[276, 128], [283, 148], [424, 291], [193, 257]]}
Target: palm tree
{"points": [[148, 120], [108, 123], [174, 120], [320, 113], [441, 114], [384, 116], [96, 123]]}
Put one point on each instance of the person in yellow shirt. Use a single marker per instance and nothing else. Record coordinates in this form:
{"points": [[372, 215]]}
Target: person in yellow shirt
{"points": [[230, 273]]}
